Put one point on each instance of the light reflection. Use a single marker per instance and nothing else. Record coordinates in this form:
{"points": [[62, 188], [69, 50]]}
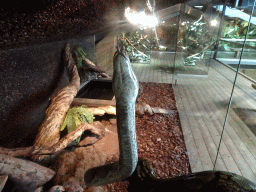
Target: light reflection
{"points": [[140, 18], [214, 23]]}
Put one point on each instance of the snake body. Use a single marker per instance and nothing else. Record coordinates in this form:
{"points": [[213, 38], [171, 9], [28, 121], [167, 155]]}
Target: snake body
{"points": [[144, 179], [125, 87], [139, 173]]}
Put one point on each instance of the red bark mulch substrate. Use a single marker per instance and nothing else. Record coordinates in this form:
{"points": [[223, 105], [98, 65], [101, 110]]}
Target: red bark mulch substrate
{"points": [[160, 138]]}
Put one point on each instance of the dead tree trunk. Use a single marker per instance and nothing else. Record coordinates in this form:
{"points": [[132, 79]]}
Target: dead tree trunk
{"points": [[49, 131], [25, 174]]}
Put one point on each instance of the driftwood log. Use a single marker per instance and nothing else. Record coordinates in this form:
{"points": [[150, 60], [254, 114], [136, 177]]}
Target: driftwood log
{"points": [[49, 131], [25, 174], [102, 110], [141, 109], [48, 137], [93, 102]]}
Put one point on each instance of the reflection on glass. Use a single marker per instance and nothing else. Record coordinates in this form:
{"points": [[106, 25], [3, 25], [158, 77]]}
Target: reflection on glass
{"points": [[237, 52], [203, 101], [232, 39], [196, 40]]}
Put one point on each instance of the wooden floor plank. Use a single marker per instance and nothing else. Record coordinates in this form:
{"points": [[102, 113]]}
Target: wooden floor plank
{"points": [[157, 63], [203, 113], [242, 128], [193, 153], [196, 128], [208, 130], [212, 121], [235, 128], [199, 141], [145, 71], [215, 134], [242, 99], [142, 74], [152, 74], [242, 83], [229, 142], [236, 146], [238, 157]]}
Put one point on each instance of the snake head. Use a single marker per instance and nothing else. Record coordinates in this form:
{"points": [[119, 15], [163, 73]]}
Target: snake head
{"points": [[125, 84]]}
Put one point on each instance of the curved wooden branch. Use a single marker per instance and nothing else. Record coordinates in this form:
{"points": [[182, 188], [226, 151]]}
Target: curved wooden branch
{"points": [[95, 68], [38, 153], [49, 131], [41, 153]]}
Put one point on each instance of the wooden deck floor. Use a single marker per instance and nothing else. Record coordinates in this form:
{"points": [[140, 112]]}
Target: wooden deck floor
{"points": [[202, 103]]}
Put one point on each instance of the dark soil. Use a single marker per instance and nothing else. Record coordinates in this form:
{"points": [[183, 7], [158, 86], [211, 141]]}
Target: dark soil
{"points": [[160, 138]]}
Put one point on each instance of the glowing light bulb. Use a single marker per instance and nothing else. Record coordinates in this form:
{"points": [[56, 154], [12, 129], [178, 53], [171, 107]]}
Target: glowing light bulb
{"points": [[140, 18], [214, 22]]}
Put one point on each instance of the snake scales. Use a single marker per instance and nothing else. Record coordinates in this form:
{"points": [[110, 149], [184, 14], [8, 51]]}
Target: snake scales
{"points": [[139, 173], [125, 87]]}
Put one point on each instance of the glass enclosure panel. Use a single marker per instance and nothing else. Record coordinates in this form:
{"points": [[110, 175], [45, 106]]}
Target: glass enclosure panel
{"points": [[153, 49], [232, 40], [248, 66], [237, 52], [196, 40], [203, 101], [163, 59]]}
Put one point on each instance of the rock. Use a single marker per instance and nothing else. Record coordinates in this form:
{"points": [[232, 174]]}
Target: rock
{"points": [[89, 140], [109, 143], [72, 185], [39, 189], [57, 188], [74, 188], [75, 164], [95, 189], [139, 109], [112, 121], [150, 143], [71, 166], [147, 109]]}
